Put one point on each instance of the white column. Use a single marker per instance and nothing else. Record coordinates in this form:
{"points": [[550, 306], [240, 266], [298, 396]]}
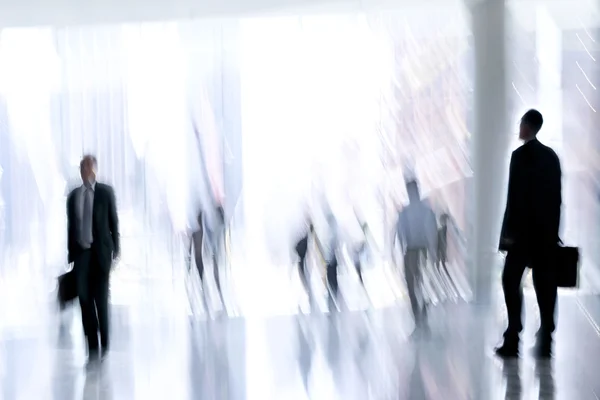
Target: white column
{"points": [[491, 138]]}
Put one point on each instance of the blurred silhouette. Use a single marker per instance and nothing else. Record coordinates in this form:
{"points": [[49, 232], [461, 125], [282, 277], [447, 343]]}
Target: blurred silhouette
{"points": [[332, 263], [442, 253], [93, 244], [215, 241], [359, 251], [301, 249], [530, 234], [416, 230]]}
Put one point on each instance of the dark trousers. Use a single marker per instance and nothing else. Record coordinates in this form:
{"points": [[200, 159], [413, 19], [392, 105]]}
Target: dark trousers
{"points": [[216, 258], [414, 284], [92, 288], [541, 260], [332, 277]]}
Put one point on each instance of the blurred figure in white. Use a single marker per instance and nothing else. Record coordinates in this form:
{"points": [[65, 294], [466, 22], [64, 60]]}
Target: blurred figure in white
{"points": [[360, 252], [442, 252], [215, 241], [417, 233], [332, 263]]}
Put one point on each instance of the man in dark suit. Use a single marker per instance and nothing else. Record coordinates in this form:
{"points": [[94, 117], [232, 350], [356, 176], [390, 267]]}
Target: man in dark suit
{"points": [[93, 244], [530, 234]]}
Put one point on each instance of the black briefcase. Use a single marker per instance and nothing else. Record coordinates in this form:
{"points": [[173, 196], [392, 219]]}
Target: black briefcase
{"points": [[67, 288], [567, 267]]}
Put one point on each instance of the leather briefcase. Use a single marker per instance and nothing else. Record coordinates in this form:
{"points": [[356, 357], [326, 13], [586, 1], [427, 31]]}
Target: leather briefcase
{"points": [[67, 288], [567, 267]]}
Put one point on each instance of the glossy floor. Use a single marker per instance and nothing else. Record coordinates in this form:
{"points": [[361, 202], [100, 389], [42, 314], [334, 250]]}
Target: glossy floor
{"points": [[349, 355]]}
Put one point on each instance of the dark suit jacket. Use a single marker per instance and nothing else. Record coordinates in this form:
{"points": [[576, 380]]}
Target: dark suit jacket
{"points": [[105, 226], [532, 216]]}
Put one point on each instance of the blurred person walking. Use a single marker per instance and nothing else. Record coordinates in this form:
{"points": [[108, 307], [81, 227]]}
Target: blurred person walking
{"points": [[416, 230], [530, 234], [93, 245], [332, 263], [301, 249], [214, 239], [442, 254]]}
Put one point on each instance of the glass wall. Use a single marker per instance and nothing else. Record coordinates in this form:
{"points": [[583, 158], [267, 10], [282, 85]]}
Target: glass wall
{"points": [[147, 100], [335, 109], [554, 68]]}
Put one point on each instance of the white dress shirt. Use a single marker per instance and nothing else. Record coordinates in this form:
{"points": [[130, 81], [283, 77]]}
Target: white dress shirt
{"points": [[417, 228]]}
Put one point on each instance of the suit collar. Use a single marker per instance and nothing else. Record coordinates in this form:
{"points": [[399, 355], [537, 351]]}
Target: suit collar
{"points": [[531, 142], [93, 186]]}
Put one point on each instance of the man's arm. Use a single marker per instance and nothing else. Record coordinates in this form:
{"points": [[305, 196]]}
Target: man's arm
{"points": [[506, 234], [70, 255], [557, 197], [113, 221]]}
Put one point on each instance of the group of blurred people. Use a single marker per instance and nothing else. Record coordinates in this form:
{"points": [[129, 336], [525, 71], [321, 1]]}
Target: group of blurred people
{"points": [[529, 236], [420, 237]]}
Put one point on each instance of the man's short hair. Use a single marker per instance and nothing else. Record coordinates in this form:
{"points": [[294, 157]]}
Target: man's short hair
{"points": [[533, 119], [88, 157]]}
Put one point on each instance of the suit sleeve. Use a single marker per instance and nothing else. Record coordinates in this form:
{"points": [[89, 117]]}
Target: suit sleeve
{"points": [[70, 238], [507, 231], [114, 221], [557, 196]]}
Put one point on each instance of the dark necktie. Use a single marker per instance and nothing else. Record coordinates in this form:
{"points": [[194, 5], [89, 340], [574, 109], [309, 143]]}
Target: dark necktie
{"points": [[86, 223]]}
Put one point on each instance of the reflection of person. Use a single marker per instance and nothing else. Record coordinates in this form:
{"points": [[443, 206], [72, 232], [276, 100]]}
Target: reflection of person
{"points": [[416, 230], [93, 244], [511, 372], [530, 234], [332, 261], [215, 238]]}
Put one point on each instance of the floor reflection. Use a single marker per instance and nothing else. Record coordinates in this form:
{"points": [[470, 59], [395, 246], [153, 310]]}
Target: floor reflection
{"points": [[349, 355]]}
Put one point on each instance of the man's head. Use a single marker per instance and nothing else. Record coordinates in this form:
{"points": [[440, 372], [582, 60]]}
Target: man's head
{"points": [[412, 188], [88, 168], [531, 123]]}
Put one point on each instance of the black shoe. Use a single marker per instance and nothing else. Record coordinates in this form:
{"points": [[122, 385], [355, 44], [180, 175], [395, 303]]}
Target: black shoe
{"points": [[508, 350]]}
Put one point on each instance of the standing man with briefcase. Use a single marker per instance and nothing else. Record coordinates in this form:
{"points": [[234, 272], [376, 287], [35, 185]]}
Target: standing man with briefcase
{"points": [[530, 235], [93, 244]]}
